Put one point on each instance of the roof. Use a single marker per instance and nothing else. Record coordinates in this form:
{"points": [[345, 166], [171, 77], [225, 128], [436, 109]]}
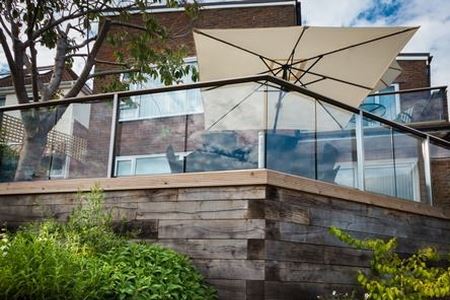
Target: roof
{"points": [[45, 74]]}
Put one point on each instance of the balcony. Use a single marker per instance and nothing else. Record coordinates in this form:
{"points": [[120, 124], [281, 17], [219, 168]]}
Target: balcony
{"points": [[258, 122], [413, 107]]}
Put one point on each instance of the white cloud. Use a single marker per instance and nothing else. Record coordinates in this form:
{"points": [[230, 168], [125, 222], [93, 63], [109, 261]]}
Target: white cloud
{"points": [[433, 17]]}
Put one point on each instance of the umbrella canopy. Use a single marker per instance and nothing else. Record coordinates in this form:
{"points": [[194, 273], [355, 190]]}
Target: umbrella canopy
{"points": [[345, 64]]}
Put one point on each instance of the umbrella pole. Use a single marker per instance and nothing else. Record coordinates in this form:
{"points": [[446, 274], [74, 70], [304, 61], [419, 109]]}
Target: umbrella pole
{"points": [[280, 97]]}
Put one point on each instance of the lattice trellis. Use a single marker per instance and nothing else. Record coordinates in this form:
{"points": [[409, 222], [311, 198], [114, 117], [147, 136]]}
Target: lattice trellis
{"points": [[12, 132]]}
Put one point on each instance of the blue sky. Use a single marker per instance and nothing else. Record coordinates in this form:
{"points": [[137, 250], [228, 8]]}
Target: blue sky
{"points": [[433, 17]]}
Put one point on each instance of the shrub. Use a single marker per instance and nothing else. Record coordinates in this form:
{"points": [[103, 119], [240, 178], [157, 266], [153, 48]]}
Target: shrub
{"points": [[392, 277], [84, 259]]}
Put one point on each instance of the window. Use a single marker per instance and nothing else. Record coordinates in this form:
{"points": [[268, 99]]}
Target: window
{"points": [[160, 105], [2, 100], [144, 164], [379, 177], [386, 106]]}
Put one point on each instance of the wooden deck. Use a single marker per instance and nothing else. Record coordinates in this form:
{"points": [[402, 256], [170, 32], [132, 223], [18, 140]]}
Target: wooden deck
{"points": [[254, 234]]}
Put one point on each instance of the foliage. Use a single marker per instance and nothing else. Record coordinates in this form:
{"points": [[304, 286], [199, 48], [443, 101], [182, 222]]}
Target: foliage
{"points": [[84, 259], [8, 162], [393, 277]]}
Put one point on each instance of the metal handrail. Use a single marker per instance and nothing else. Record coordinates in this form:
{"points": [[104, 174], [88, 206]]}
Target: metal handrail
{"points": [[405, 91], [222, 82]]}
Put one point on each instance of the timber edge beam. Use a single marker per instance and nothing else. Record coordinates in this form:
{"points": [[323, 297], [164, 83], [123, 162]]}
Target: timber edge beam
{"points": [[255, 177]]}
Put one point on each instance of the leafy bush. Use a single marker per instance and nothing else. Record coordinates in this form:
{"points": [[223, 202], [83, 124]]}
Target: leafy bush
{"points": [[392, 277], [84, 259], [8, 162]]}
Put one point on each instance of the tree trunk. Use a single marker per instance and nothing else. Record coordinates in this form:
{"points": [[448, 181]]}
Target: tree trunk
{"points": [[30, 156]]}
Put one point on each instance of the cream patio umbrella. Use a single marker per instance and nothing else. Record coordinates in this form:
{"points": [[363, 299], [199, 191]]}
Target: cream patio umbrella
{"points": [[344, 64]]}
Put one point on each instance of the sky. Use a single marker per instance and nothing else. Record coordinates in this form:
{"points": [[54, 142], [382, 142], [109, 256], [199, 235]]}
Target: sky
{"points": [[433, 17]]}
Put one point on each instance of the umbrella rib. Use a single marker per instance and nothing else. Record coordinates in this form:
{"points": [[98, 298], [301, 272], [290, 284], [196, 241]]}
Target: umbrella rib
{"points": [[309, 68], [236, 46], [267, 65], [314, 81], [384, 82], [356, 45], [234, 107], [330, 114], [335, 79], [291, 57], [296, 79]]}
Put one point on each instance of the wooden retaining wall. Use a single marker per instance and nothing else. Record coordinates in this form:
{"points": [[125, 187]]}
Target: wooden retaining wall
{"points": [[253, 234]]}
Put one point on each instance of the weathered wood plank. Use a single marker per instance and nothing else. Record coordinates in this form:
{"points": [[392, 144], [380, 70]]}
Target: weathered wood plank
{"points": [[275, 290], [320, 235], [307, 272], [181, 180], [229, 289], [199, 229], [208, 248], [231, 269], [228, 209], [275, 210], [316, 254], [281, 180]]}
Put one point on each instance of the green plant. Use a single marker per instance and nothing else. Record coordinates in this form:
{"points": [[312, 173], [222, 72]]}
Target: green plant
{"points": [[84, 259], [8, 161], [393, 277]]}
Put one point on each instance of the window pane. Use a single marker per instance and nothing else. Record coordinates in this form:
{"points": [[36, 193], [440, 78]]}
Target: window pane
{"points": [[152, 165], [124, 167]]}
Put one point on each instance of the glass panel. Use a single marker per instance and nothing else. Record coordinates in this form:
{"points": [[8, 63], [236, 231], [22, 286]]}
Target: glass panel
{"points": [[225, 136], [409, 167], [440, 174], [72, 142], [155, 144], [152, 165], [379, 172], [336, 145], [409, 107], [124, 167], [290, 140], [88, 132], [27, 146]]}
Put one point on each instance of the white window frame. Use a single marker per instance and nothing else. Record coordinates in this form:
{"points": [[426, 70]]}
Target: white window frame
{"points": [[397, 98], [385, 163], [136, 116], [134, 158]]}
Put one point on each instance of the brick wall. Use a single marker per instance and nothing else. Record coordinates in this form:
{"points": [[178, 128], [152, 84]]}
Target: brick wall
{"points": [[181, 26], [414, 74]]}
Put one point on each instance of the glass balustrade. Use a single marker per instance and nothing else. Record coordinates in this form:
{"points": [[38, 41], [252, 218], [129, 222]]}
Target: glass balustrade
{"points": [[229, 125], [55, 142], [409, 107]]}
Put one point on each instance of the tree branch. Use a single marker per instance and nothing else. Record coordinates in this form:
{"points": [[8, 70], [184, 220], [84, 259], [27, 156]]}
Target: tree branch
{"points": [[57, 22], [84, 43], [58, 69], [112, 63], [7, 51], [113, 72], [90, 61], [33, 66], [5, 28]]}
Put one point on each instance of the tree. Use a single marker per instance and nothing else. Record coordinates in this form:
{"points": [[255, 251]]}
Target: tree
{"points": [[66, 27], [422, 275]]}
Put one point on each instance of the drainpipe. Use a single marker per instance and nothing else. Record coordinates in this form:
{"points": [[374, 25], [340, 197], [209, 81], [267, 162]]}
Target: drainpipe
{"points": [[298, 12]]}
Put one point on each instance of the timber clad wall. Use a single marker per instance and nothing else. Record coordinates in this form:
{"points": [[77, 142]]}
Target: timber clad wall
{"points": [[259, 241]]}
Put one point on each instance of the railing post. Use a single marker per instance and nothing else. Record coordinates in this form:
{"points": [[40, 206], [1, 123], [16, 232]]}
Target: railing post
{"points": [[360, 150], [427, 166], [261, 149], [112, 138]]}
